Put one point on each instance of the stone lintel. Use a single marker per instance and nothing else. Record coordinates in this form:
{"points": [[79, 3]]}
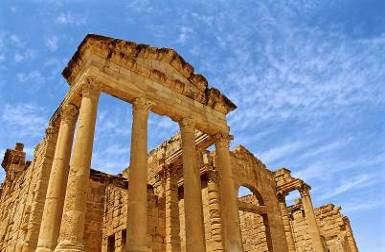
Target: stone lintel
{"points": [[248, 207]]}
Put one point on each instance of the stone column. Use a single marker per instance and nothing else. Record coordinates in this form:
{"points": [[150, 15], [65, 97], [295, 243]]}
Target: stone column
{"points": [[215, 211], [286, 223], [53, 208], [350, 239], [172, 211], [311, 219], [195, 235], [230, 217], [73, 218], [137, 182], [43, 165]]}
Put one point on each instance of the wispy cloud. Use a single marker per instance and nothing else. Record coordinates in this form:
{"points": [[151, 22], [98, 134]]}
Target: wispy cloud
{"points": [[281, 151], [35, 77], [69, 18], [361, 205], [27, 120], [111, 159], [52, 43], [21, 56], [356, 183]]}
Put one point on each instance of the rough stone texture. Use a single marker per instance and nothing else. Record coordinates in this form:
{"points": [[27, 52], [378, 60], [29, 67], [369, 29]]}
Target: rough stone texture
{"points": [[187, 198]]}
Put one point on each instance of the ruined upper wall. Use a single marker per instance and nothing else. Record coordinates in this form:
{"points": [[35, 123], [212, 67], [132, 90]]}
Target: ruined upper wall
{"points": [[163, 65]]}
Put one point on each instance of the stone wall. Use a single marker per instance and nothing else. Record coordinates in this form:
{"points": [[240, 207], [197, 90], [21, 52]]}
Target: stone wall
{"points": [[252, 226], [335, 229], [15, 195], [115, 216], [23, 193]]}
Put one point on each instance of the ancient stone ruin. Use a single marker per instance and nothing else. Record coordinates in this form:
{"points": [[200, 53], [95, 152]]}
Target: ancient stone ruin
{"points": [[181, 196]]}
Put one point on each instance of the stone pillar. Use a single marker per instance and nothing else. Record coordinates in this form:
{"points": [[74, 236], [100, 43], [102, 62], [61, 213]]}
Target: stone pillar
{"points": [[286, 223], [73, 218], [195, 235], [311, 219], [53, 208], [230, 217], [137, 182], [172, 211], [43, 165], [350, 239], [215, 212], [119, 246]]}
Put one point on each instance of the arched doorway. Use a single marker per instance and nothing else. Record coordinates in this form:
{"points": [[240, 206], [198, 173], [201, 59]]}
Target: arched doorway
{"points": [[253, 220]]}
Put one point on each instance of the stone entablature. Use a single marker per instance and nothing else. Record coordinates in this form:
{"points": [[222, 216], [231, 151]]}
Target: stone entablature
{"points": [[162, 65]]}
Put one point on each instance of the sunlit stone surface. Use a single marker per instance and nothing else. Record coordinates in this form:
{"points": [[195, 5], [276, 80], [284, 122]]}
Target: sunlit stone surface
{"points": [[181, 196]]}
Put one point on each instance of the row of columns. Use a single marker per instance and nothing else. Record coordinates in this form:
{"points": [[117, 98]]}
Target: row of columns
{"points": [[62, 225], [310, 219]]}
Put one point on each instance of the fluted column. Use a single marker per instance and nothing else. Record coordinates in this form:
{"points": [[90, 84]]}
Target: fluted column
{"points": [[286, 223], [195, 238], [215, 211], [232, 231], [172, 211], [53, 207], [137, 189], [311, 219], [73, 218]]}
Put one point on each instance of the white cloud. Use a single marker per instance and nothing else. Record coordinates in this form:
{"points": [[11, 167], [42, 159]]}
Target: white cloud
{"points": [[347, 184], [281, 151], [327, 169], [111, 159], [34, 77], [26, 120], [52, 43], [25, 55], [69, 18], [185, 33], [16, 40], [361, 205], [320, 148]]}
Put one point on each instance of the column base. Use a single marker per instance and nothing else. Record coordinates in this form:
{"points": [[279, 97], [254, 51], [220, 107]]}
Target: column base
{"points": [[44, 246], [67, 246], [43, 249], [27, 248], [132, 248]]}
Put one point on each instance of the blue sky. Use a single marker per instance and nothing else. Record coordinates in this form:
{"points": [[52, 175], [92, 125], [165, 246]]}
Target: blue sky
{"points": [[308, 77]]}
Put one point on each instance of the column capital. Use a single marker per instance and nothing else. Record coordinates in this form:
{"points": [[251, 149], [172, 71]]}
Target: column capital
{"points": [[69, 113], [304, 190], [281, 197], [142, 103], [223, 138], [90, 88], [187, 123], [52, 130]]}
